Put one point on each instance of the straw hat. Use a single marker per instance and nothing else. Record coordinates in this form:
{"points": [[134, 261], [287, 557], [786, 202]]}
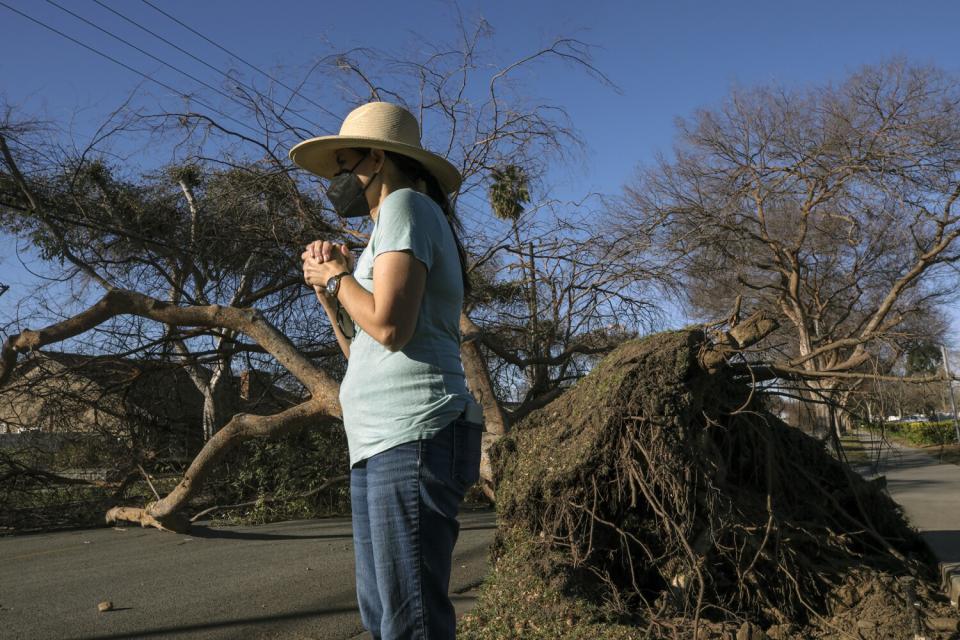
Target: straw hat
{"points": [[378, 125]]}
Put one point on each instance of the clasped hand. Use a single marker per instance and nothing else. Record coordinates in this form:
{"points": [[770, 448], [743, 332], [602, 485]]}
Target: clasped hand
{"points": [[322, 260]]}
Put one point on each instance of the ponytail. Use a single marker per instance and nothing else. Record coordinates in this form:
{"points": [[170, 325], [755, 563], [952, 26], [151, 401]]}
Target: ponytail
{"points": [[415, 172]]}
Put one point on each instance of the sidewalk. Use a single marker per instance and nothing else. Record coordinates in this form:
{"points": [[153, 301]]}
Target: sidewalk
{"points": [[929, 493]]}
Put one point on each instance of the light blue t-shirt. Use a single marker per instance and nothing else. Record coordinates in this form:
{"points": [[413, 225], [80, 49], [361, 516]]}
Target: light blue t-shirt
{"points": [[389, 398]]}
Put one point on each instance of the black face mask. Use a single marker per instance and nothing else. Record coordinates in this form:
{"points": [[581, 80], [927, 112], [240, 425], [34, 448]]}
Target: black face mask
{"points": [[348, 195]]}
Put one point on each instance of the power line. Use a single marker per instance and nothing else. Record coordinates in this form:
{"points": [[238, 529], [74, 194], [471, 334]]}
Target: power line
{"points": [[295, 92], [128, 67], [208, 65], [147, 53]]}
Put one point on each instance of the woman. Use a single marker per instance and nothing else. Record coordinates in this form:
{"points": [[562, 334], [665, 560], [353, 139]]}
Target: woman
{"points": [[413, 429]]}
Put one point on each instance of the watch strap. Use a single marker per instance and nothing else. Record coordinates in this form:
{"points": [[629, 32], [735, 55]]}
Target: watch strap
{"points": [[337, 278]]}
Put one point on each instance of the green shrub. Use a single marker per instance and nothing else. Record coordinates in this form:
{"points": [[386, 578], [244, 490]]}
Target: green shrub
{"points": [[276, 473], [273, 474], [922, 433]]}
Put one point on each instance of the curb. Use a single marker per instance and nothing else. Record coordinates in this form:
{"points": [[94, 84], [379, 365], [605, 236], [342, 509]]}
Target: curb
{"points": [[950, 581]]}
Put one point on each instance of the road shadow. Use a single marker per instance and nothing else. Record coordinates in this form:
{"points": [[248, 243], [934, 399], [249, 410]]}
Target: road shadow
{"points": [[944, 544], [227, 534], [206, 626]]}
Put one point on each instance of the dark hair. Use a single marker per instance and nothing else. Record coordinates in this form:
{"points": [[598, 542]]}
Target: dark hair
{"points": [[413, 171]]}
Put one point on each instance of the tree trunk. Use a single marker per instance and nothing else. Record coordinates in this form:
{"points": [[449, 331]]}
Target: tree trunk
{"points": [[218, 401], [481, 386]]}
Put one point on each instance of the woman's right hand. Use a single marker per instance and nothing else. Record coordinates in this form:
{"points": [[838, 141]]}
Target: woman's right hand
{"points": [[321, 251], [324, 251]]}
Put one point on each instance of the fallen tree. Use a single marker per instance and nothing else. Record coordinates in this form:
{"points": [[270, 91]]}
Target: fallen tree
{"points": [[168, 513], [659, 499]]}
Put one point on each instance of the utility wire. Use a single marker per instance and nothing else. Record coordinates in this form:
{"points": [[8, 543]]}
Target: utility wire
{"points": [[148, 54], [295, 92], [284, 108], [128, 67]]}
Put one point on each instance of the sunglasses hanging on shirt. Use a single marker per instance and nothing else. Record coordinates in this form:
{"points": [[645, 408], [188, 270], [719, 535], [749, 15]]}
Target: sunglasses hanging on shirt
{"points": [[345, 322]]}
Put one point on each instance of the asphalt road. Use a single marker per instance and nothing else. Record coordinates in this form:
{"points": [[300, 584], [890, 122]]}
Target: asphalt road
{"points": [[289, 580]]}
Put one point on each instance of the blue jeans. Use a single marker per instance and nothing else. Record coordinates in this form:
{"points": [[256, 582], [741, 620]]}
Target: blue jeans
{"points": [[405, 502]]}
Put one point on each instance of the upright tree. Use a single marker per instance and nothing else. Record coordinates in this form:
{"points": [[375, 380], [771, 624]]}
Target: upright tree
{"points": [[832, 208]]}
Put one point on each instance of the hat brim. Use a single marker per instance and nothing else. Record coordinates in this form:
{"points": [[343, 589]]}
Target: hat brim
{"points": [[318, 155]]}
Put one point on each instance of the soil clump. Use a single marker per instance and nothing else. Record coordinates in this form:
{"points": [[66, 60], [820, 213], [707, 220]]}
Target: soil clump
{"points": [[659, 498]]}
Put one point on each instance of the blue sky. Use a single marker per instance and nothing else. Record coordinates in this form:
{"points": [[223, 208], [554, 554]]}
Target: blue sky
{"points": [[668, 58]]}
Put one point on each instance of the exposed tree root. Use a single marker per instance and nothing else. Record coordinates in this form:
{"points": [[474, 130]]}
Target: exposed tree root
{"points": [[659, 499]]}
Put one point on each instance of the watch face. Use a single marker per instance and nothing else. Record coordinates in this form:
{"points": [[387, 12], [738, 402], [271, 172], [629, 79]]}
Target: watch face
{"points": [[332, 285]]}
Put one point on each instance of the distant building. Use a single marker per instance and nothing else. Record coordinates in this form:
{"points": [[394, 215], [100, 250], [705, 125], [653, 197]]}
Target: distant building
{"points": [[54, 392]]}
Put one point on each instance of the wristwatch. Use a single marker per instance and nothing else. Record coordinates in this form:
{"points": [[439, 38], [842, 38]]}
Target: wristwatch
{"points": [[333, 284]]}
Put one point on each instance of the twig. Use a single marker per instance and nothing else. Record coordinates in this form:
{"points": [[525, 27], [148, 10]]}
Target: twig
{"points": [[325, 485], [150, 484]]}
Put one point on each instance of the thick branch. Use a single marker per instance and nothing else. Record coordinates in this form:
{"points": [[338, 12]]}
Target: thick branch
{"points": [[166, 514], [749, 332], [771, 371], [478, 376], [118, 301]]}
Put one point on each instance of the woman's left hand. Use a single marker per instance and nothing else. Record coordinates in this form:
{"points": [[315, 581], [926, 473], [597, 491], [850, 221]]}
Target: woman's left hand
{"points": [[324, 259]]}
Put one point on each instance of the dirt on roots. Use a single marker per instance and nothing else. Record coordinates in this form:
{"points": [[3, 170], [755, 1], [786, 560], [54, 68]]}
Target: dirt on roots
{"points": [[657, 499]]}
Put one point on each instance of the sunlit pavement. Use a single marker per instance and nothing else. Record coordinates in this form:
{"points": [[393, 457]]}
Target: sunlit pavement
{"points": [[288, 580], [929, 493]]}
